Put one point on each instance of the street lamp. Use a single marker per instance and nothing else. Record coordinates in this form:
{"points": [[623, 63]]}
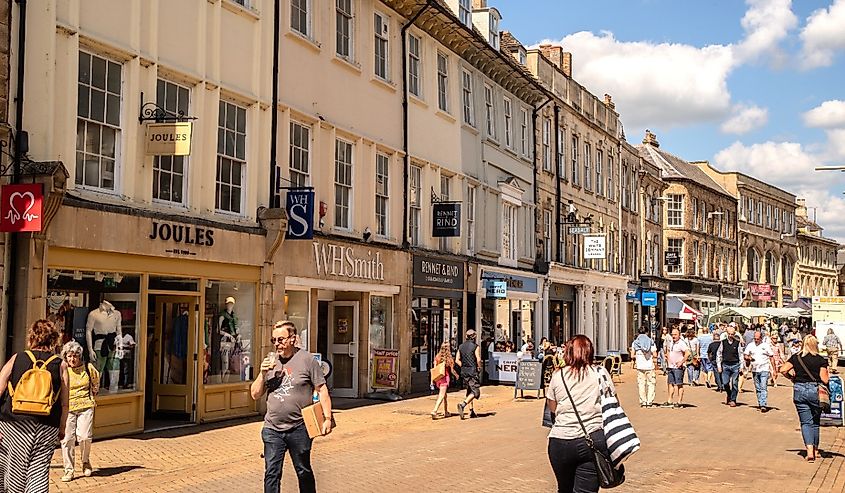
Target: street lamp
{"points": [[830, 168]]}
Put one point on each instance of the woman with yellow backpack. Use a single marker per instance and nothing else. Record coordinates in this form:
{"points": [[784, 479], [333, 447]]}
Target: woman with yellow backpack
{"points": [[83, 385], [34, 410]]}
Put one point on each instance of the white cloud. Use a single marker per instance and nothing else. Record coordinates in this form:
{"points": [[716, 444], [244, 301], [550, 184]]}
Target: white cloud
{"points": [[823, 35], [662, 85], [766, 24], [655, 84], [830, 114], [745, 119], [791, 167]]}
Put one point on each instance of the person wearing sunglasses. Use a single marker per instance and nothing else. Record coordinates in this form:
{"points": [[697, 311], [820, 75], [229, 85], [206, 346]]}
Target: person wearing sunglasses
{"points": [[289, 377]]}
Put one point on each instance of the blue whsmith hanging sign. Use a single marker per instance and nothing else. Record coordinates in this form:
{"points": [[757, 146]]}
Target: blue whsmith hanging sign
{"points": [[300, 208]]}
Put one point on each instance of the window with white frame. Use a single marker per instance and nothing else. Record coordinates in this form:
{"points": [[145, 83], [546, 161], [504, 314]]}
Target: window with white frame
{"points": [[382, 193], [494, 30], [705, 254], [560, 157], [508, 108], [635, 185], [786, 268], [576, 180], [466, 92], [547, 235], [343, 184], [547, 144], [588, 171], [675, 211], [771, 268], [522, 55], [415, 199], [170, 172], [382, 45], [98, 122], [471, 190], [599, 177], [415, 65], [626, 197], [509, 231], [768, 215], [344, 28], [752, 262], [759, 213], [489, 111], [465, 12], [776, 219], [300, 154], [611, 193], [696, 219], [523, 134], [300, 16], [231, 157], [442, 82]]}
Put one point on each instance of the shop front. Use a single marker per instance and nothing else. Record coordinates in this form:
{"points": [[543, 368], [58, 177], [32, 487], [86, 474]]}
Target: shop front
{"points": [[510, 316], [731, 295], [561, 312], [700, 295], [166, 310], [437, 313], [349, 302], [761, 295], [653, 302]]}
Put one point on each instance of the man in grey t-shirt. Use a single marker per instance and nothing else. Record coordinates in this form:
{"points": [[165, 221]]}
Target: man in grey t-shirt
{"points": [[289, 380]]}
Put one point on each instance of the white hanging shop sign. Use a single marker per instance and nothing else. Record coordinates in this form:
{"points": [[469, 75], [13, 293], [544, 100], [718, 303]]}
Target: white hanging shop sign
{"points": [[595, 247]]}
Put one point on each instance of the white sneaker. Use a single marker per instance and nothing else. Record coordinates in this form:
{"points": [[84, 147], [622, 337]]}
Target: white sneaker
{"points": [[87, 470], [67, 477]]}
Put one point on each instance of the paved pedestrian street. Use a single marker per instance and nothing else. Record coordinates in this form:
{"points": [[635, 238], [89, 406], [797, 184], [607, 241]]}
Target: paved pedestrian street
{"points": [[390, 447]]}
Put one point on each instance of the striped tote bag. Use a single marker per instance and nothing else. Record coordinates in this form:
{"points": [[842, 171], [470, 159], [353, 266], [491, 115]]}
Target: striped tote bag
{"points": [[622, 440]]}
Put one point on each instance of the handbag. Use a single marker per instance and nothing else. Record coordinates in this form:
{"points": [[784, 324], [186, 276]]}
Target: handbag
{"points": [[824, 392], [609, 476], [548, 420], [622, 440], [438, 371]]}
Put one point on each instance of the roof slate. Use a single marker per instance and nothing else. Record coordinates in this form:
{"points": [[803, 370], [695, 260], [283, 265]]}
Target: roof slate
{"points": [[674, 167]]}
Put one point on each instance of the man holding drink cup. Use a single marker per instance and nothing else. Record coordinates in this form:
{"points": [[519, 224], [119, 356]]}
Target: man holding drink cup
{"points": [[289, 377]]}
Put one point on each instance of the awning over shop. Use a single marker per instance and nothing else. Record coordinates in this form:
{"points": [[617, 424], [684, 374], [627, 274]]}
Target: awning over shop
{"points": [[802, 305], [676, 308], [755, 312]]}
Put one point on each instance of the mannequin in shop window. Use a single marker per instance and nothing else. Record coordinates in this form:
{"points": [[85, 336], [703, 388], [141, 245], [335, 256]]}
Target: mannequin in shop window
{"points": [[105, 343], [227, 330]]}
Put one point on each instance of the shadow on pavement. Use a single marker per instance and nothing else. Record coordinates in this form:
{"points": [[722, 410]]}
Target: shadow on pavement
{"points": [[107, 472]]}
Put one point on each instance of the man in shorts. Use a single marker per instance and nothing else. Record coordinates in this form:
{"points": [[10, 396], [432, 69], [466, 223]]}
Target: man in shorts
{"points": [[469, 359], [677, 352]]}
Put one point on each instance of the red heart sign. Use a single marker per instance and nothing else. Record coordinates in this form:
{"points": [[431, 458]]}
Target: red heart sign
{"points": [[20, 208]]}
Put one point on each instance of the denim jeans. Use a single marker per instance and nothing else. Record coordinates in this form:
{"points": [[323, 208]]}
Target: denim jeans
{"points": [[693, 374], [717, 376], [806, 399], [761, 382], [730, 379], [298, 443]]}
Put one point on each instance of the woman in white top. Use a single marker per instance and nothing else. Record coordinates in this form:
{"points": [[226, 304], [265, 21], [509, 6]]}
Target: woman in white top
{"points": [[569, 454]]}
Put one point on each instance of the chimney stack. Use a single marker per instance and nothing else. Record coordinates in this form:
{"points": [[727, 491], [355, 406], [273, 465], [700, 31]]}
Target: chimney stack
{"points": [[650, 139], [557, 57], [479, 4], [608, 101], [566, 64]]}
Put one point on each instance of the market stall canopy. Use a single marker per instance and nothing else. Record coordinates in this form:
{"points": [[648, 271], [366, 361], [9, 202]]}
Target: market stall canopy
{"points": [[755, 312], [801, 304], [676, 308]]}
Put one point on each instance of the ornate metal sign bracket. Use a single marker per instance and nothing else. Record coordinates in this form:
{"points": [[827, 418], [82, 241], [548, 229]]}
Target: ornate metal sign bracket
{"points": [[152, 112]]}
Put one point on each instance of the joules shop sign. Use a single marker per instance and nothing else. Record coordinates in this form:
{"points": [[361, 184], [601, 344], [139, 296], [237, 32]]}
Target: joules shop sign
{"points": [[168, 139]]}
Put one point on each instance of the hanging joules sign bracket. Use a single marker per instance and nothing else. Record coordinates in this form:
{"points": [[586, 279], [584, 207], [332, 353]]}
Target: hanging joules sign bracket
{"points": [[167, 133]]}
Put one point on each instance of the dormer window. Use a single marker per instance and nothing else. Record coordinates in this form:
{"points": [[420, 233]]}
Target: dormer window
{"points": [[494, 30], [523, 56], [465, 12]]}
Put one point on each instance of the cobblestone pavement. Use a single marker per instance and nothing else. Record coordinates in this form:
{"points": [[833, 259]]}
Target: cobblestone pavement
{"points": [[396, 447]]}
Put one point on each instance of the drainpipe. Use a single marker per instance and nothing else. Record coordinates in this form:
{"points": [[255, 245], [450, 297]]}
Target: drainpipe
{"points": [[275, 198], [536, 111], [20, 143], [557, 184], [407, 157]]}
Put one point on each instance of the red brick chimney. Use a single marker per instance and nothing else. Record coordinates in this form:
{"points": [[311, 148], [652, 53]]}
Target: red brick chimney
{"points": [[566, 64], [650, 139], [608, 101]]}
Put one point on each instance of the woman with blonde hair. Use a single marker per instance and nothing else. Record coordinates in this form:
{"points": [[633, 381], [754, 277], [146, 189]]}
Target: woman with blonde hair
{"points": [[29, 437], [808, 371], [442, 383], [83, 385]]}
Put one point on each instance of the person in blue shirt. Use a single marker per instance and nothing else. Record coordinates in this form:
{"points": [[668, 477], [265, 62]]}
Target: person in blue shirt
{"points": [[707, 366]]}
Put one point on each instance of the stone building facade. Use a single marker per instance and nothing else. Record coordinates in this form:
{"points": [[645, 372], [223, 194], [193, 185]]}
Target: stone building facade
{"points": [[699, 233], [816, 273], [767, 241], [650, 305], [5, 134]]}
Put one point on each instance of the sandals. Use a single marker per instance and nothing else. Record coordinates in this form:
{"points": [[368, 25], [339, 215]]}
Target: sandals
{"points": [[811, 459], [433, 415]]}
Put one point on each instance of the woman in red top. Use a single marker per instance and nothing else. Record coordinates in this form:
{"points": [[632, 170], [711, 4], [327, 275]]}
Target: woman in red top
{"points": [[442, 383]]}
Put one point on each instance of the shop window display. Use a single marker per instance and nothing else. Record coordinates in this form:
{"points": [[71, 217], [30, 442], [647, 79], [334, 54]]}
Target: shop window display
{"points": [[296, 310], [228, 325], [510, 323], [381, 322], [100, 312], [434, 321]]}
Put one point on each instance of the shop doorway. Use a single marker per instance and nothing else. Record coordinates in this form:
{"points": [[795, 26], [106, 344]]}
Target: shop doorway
{"points": [[343, 348], [172, 360]]}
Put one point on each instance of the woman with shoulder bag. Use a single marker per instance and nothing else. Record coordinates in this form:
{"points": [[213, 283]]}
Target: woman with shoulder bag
{"points": [[442, 384], [83, 384], [808, 371], [30, 429], [574, 399]]}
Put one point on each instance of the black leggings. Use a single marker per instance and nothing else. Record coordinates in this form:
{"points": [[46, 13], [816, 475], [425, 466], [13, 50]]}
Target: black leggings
{"points": [[572, 463]]}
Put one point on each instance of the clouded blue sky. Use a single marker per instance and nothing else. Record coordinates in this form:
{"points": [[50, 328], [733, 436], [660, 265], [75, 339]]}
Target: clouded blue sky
{"points": [[756, 86]]}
